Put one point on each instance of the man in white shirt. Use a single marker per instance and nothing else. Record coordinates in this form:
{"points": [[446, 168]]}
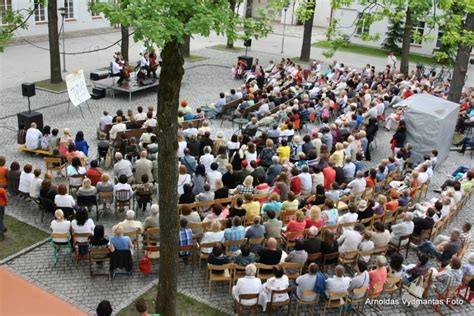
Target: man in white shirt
{"points": [[392, 61], [248, 285], [122, 167], [129, 224], [140, 115], [150, 120], [338, 283], [213, 175], [207, 159], [306, 182], [357, 185], [372, 112], [405, 228], [349, 169], [423, 176], [143, 166], [350, 239], [306, 282], [33, 137], [117, 127], [105, 120], [145, 63]]}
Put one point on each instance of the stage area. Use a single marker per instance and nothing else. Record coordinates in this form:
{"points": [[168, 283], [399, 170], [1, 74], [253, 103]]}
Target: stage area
{"points": [[129, 87]]}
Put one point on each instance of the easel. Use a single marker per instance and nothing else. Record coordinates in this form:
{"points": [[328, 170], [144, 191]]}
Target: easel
{"points": [[79, 106]]}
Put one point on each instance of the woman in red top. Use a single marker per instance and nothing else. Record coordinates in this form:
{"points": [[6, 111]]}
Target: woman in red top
{"points": [[3, 173], [297, 225], [295, 183], [371, 179], [3, 203], [314, 218], [392, 205], [378, 276]]}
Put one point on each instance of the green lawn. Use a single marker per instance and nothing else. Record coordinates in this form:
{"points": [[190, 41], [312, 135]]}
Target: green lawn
{"points": [[235, 49], [373, 51], [18, 237], [46, 85], [194, 58], [185, 306]]}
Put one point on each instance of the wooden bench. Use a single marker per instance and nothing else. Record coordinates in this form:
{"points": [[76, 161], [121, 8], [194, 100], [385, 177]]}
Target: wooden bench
{"points": [[252, 108], [138, 132], [37, 151], [229, 106]]}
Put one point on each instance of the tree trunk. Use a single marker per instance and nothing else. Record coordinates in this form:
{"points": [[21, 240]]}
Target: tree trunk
{"points": [[405, 58], [167, 113], [125, 42], [248, 9], [461, 64], [186, 47], [54, 57], [230, 42], [308, 29]]}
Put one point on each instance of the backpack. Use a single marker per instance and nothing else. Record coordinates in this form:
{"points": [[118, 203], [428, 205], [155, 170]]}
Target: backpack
{"points": [[266, 157], [320, 284]]}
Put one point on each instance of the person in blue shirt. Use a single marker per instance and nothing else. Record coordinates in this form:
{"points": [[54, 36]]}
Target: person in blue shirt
{"points": [[119, 241], [81, 143], [273, 204], [236, 232]]}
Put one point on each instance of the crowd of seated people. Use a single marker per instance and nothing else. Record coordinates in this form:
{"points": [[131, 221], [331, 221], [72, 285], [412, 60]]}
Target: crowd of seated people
{"points": [[321, 179]]}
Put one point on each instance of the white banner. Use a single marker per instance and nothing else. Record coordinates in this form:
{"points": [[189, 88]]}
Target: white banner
{"points": [[77, 88]]}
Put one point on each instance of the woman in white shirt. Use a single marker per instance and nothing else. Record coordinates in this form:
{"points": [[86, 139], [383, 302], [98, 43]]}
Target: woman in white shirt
{"points": [[349, 217], [181, 146], [278, 282], [233, 144], [60, 226], [215, 235], [35, 184], [82, 224], [62, 199], [247, 285], [366, 244], [25, 179], [183, 178], [380, 236]]}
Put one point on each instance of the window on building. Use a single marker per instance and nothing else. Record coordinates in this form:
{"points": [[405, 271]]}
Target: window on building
{"points": [[417, 33], [69, 5], [438, 40], [93, 13], [362, 26], [5, 5], [41, 13]]}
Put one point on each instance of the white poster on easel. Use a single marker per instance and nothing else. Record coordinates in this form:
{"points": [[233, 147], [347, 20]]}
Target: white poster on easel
{"points": [[77, 88]]}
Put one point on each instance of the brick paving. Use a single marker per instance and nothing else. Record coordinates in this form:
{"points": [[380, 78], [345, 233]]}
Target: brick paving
{"points": [[72, 282]]}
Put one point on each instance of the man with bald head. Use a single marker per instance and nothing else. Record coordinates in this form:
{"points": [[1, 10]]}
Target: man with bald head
{"points": [[270, 254], [339, 282], [33, 137], [143, 166]]}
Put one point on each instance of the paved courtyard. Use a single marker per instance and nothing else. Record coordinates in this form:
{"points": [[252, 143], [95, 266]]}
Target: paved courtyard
{"points": [[201, 85]]}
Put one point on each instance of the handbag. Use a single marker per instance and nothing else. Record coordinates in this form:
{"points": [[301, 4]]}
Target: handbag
{"points": [[145, 265], [414, 292]]}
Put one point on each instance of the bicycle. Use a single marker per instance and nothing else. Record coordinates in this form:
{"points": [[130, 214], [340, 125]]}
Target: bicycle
{"points": [[443, 75]]}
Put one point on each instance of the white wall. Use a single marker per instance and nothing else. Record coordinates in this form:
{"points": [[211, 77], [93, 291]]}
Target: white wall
{"points": [[82, 18], [347, 16]]}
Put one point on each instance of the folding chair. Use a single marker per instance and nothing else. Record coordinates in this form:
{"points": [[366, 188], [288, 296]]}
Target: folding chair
{"points": [[58, 245], [123, 199], [306, 293], [289, 239], [348, 258], [46, 206], [55, 164], [188, 248], [233, 243], [75, 182], [336, 300], [240, 308], [134, 236], [358, 302], [77, 244], [98, 255], [88, 202], [225, 274], [105, 198], [204, 255], [329, 260], [292, 269], [267, 272], [277, 305]]}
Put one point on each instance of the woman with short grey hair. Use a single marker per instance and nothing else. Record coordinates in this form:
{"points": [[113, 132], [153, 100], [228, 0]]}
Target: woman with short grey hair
{"points": [[247, 285]]}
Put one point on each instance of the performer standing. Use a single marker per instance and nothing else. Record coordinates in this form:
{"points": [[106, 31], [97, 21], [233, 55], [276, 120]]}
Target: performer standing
{"points": [[392, 61]]}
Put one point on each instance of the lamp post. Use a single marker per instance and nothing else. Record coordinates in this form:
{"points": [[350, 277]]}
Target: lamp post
{"points": [[284, 27], [62, 11]]}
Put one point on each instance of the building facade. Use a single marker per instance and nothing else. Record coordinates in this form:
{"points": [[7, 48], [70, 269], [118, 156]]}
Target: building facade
{"points": [[77, 17]]}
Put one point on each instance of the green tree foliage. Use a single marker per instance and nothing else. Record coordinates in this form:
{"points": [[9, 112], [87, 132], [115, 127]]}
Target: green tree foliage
{"points": [[394, 36], [165, 24], [13, 20]]}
